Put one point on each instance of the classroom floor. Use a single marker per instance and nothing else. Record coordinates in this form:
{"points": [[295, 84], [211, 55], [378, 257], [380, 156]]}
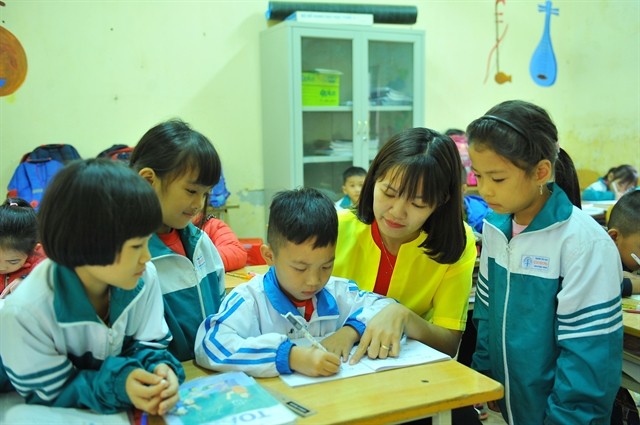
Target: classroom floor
{"points": [[494, 418]]}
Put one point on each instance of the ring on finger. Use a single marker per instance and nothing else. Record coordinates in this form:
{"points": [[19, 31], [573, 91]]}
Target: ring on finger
{"points": [[384, 347]]}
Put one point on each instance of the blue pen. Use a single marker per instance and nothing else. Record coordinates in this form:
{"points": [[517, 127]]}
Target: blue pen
{"points": [[301, 326]]}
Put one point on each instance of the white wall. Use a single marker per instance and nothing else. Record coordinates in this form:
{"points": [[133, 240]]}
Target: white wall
{"points": [[103, 72]]}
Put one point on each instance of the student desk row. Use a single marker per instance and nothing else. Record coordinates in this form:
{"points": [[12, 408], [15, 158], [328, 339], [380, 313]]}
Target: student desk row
{"points": [[391, 396], [631, 350], [236, 277]]}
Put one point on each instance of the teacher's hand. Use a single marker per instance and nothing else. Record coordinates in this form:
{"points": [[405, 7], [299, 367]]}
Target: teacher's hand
{"points": [[382, 337]]}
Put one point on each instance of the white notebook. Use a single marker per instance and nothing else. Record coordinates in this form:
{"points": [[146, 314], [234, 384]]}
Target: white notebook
{"points": [[412, 353]]}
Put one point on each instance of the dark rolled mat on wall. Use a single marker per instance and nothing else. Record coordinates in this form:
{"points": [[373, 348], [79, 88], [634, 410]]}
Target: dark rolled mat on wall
{"points": [[382, 14]]}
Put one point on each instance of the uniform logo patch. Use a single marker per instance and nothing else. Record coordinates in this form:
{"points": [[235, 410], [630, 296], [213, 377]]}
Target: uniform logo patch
{"points": [[535, 262], [199, 262]]}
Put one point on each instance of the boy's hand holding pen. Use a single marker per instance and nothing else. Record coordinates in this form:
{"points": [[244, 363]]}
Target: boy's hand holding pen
{"points": [[299, 325], [631, 308], [314, 360]]}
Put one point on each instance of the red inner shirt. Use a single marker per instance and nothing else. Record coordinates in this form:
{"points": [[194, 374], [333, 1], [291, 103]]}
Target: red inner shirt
{"points": [[172, 240], [386, 265], [308, 307]]}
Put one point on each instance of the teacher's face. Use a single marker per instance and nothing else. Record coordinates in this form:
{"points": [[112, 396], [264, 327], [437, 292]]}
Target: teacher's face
{"points": [[399, 218]]}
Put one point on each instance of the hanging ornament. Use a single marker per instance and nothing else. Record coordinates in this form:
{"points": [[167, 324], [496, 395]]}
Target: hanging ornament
{"points": [[543, 67]]}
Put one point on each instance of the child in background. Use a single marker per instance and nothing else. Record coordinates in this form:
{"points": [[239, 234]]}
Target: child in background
{"points": [[182, 166], [20, 251], [547, 308], [459, 137], [86, 327], [475, 208], [624, 229], [612, 185], [251, 333], [352, 180]]}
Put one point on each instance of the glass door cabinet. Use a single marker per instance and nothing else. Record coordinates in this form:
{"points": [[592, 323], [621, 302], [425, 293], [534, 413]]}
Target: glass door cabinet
{"points": [[331, 96]]}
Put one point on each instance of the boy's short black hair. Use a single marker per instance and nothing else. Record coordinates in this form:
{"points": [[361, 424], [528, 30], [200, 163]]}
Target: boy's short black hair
{"points": [[299, 215], [353, 171], [625, 214], [91, 208]]}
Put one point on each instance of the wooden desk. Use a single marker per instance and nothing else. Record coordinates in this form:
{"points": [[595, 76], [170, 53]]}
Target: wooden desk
{"points": [[236, 277], [631, 321], [384, 397], [631, 324]]}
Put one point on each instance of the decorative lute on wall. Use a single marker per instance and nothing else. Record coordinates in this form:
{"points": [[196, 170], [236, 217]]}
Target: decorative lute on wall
{"points": [[543, 67]]}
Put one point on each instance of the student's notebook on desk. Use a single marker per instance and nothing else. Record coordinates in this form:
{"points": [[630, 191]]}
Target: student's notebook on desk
{"points": [[412, 353], [227, 398]]}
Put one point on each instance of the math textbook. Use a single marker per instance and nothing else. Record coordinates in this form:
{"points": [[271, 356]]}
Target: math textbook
{"points": [[227, 398]]}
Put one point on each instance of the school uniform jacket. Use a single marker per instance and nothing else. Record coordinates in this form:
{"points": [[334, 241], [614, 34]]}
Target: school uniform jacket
{"points": [[56, 351], [251, 334], [192, 286], [598, 191], [548, 316]]}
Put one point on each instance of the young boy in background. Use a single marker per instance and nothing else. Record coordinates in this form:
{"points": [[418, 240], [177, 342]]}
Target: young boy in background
{"points": [[624, 229], [250, 332], [352, 181]]}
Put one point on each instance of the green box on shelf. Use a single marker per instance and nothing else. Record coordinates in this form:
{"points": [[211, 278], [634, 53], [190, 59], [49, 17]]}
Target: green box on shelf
{"points": [[321, 87]]}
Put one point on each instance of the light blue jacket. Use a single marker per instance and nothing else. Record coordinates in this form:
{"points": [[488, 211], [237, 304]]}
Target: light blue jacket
{"points": [[549, 317], [192, 286], [56, 351]]}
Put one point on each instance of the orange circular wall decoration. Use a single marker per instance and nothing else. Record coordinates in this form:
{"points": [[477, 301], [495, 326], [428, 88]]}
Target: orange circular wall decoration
{"points": [[13, 63]]}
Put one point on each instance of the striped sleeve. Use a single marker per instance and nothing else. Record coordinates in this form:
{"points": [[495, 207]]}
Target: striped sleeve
{"points": [[232, 340]]}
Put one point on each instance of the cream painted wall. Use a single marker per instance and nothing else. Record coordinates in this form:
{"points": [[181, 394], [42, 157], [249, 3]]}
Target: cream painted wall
{"points": [[103, 72]]}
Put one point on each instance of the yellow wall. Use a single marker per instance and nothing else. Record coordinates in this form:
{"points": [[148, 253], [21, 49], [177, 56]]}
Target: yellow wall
{"points": [[103, 72]]}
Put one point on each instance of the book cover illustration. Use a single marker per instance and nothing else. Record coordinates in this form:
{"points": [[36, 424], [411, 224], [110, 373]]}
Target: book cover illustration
{"points": [[227, 398]]}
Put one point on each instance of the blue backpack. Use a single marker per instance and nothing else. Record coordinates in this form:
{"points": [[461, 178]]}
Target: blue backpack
{"points": [[219, 193], [30, 179], [36, 169], [60, 152]]}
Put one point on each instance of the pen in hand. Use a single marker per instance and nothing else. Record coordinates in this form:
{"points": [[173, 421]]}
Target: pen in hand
{"points": [[295, 321]]}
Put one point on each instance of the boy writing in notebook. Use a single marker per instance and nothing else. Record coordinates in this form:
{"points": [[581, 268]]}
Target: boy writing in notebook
{"points": [[251, 333]]}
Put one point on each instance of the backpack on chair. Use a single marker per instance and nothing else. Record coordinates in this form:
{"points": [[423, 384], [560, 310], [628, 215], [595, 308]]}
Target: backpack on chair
{"points": [[59, 152], [117, 153], [36, 169]]}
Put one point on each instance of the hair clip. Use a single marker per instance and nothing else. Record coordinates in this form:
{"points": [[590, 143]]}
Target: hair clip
{"points": [[507, 123], [13, 204]]}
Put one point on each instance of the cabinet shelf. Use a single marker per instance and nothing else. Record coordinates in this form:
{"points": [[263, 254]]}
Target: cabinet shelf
{"points": [[407, 108], [327, 108], [314, 159]]}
